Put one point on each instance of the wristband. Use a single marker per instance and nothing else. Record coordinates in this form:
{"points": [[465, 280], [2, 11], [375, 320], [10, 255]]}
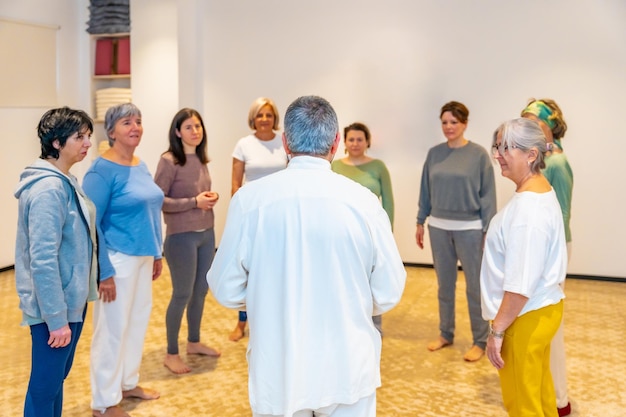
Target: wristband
{"points": [[493, 333]]}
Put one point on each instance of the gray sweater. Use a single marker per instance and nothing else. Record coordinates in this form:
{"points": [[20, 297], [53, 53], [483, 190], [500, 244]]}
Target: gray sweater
{"points": [[55, 253], [458, 184]]}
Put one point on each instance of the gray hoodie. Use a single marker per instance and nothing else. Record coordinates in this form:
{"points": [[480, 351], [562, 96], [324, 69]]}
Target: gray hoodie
{"points": [[56, 267]]}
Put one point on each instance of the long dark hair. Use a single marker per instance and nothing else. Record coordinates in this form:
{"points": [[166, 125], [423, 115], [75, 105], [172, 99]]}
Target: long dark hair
{"points": [[176, 143]]}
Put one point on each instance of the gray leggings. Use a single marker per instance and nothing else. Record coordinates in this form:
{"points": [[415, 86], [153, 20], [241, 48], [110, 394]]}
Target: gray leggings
{"points": [[189, 256]]}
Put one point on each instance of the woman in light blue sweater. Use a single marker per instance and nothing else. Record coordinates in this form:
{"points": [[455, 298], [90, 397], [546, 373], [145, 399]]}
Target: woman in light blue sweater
{"points": [[128, 205], [56, 266]]}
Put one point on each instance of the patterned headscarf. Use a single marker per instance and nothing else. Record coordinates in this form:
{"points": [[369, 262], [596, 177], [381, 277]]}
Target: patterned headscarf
{"points": [[542, 111]]}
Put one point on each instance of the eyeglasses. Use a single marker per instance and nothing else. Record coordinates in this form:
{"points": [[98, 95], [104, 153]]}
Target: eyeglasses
{"points": [[501, 148]]}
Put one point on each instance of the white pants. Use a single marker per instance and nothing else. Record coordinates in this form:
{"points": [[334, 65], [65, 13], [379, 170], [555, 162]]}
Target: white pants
{"points": [[557, 357], [120, 329], [557, 367], [365, 407]]}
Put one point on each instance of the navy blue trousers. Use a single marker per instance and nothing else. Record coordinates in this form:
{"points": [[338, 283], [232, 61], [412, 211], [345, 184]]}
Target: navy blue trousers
{"points": [[49, 368]]}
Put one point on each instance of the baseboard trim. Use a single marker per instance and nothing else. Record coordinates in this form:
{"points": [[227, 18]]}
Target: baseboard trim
{"points": [[420, 265], [569, 276], [596, 278], [7, 268]]}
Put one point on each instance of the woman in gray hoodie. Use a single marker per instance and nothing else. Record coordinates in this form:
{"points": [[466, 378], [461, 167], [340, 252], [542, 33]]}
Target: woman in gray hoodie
{"points": [[56, 264]]}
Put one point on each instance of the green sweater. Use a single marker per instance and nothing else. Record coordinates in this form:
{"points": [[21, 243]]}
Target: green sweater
{"points": [[372, 175], [559, 174]]}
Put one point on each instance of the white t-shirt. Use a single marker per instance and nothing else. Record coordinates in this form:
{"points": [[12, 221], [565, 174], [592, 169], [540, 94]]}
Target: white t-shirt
{"points": [[525, 253], [310, 255], [261, 157]]}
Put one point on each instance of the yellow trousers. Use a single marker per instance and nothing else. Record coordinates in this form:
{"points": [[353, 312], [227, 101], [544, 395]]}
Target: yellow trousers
{"points": [[526, 381]]}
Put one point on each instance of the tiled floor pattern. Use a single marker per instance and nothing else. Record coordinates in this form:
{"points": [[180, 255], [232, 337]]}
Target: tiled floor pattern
{"points": [[415, 382]]}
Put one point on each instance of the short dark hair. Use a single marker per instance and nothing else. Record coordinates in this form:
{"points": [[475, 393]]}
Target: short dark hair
{"points": [[58, 125], [176, 145], [458, 110], [361, 128]]}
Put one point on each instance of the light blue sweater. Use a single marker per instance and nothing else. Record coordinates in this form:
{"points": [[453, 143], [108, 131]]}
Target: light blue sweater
{"points": [[54, 249], [128, 205]]}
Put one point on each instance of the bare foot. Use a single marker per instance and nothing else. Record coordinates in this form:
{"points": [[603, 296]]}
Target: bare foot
{"points": [[237, 334], [474, 354], [197, 348], [175, 364], [115, 411], [141, 393], [438, 344]]}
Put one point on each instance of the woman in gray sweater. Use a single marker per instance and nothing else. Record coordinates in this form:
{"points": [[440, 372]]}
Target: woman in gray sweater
{"points": [[458, 193], [56, 263]]}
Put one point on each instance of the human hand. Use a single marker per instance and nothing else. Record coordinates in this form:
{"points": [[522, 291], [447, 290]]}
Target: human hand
{"points": [[494, 349], [419, 236], [60, 337], [206, 200], [107, 291], [157, 268]]}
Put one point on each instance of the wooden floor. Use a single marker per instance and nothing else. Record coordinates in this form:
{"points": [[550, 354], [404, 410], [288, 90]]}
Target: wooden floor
{"points": [[415, 382]]}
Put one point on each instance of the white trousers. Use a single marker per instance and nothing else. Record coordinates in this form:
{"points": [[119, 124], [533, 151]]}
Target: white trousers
{"points": [[557, 357], [365, 407], [120, 329], [557, 367]]}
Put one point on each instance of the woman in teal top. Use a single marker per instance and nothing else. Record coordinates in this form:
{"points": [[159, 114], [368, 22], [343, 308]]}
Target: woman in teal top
{"points": [[367, 171], [558, 170], [559, 173]]}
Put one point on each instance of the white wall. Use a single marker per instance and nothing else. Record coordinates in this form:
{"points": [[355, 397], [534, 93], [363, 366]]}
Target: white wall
{"points": [[17, 125], [154, 67], [392, 65]]}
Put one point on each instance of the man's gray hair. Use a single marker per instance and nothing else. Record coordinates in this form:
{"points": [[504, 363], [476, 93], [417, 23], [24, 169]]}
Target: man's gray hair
{"points": [[116, 113], [310, 126]]}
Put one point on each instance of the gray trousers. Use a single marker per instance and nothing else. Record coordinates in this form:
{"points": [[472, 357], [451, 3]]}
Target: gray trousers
{"points": [[189, 256], [449, 247]]}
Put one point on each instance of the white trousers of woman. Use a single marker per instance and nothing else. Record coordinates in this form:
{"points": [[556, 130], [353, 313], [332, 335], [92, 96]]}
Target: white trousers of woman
{"points": [[557, 357], [120, 329]]}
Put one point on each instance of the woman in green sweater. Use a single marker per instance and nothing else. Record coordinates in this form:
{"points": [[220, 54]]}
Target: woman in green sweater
{"points": [[559, 173], [367, 171]]}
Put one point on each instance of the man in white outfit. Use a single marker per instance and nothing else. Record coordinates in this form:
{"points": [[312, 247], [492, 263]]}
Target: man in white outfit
{"points": [[310, 255]]}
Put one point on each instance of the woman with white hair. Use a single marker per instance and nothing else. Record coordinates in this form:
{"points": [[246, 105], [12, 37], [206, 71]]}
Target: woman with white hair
{"points": [[523, 265]]}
